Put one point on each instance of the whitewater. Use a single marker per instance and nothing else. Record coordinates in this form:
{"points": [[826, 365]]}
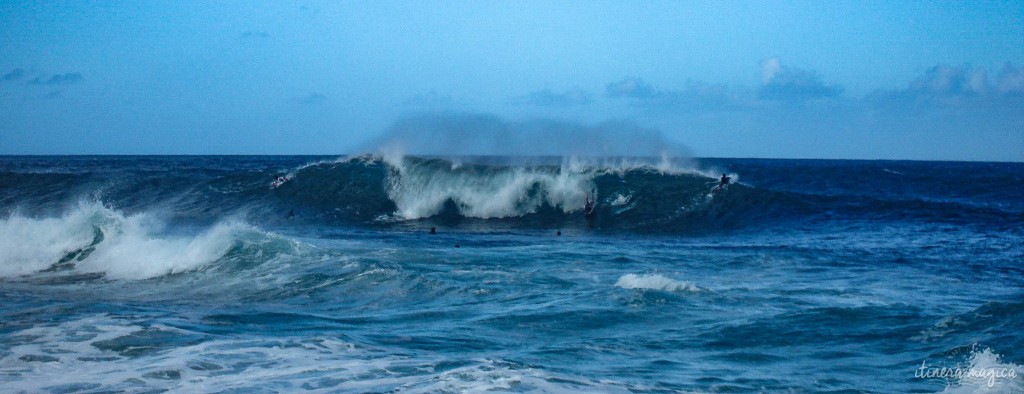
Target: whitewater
{"points": [[397, 273]]}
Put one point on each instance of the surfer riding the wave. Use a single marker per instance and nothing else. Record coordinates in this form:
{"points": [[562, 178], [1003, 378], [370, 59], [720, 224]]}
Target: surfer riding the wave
{"points": [[588, 206], [722, 184], [280, 180]]}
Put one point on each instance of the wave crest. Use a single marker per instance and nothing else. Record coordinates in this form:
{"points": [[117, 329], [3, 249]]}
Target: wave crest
{"points": [[91, 238], [421, 189], [655, 282]]}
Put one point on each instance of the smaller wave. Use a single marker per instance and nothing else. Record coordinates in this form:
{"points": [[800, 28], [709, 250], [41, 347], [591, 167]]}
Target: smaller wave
{"points": [[655, 282], [92, 238]]}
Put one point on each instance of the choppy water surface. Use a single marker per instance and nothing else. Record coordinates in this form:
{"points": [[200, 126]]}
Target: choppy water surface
{"points": [[193, 274]]}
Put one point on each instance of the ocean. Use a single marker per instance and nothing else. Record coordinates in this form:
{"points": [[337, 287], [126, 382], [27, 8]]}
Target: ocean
{"points": [[397, 273]]}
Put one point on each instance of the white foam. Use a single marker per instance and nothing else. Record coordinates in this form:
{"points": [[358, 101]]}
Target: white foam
{"points": [[654, 282], [81, 362], [986, 372], [138, 251], [54, 357], [495, 376], [620, 200], [338, 160], [132, 247], [32, 245], [420, 190]]}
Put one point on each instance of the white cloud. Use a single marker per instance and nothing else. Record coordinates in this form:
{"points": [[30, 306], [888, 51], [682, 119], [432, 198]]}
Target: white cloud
{"points": [[1010, 80], [792, 84], [631, 88], [769, 68]]}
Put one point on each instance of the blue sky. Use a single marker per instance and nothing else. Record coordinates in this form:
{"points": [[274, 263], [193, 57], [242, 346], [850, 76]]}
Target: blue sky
{"points": [[789, 79]]}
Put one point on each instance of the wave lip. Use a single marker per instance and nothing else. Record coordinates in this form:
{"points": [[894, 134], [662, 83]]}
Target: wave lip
{"points": [[655, 282]]}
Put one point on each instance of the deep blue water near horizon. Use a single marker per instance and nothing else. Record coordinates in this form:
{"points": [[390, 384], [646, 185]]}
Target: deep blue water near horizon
{"points": [[193, 274]]}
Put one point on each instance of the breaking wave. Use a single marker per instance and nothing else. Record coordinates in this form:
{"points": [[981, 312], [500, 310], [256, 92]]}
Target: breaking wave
{"points": [[632, 194], [92, 238]]}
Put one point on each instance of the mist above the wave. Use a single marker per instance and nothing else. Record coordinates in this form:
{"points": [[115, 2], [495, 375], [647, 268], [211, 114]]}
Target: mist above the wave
{"points": [[478, 134]]}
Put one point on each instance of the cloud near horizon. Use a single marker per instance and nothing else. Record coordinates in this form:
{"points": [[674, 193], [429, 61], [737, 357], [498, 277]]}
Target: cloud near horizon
{"points": [[635, 88], [431, 100], [944, 112], [695, 96], [783, 85], [15, 74], [549, 98], [313, 99], [792, 84], [780, 85], [59, 79], [1011, 80], [945, 86]]}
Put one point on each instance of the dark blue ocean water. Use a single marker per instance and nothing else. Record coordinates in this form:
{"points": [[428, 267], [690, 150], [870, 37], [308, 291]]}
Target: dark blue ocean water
{"points": [[192, 274]]}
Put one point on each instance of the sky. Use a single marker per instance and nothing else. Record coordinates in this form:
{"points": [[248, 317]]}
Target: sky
{"points": [[912, 80]]}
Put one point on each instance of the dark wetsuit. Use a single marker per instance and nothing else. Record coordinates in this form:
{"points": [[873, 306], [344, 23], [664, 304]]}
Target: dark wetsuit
{"points": [[722, 183]]}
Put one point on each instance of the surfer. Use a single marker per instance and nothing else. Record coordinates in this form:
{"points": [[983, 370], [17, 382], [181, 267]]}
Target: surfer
{"points": [[588, 206], [722, 184], [280, 180]]}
